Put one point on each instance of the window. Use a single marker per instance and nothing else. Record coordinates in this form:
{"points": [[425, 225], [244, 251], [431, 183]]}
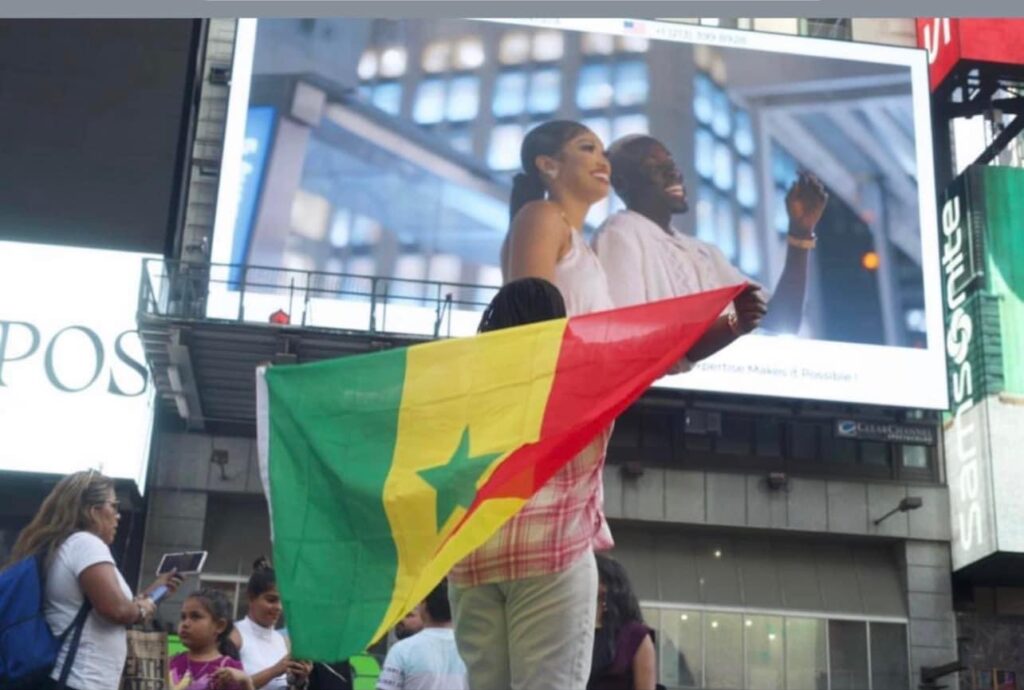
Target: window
{"points": [[436, 57], [548, 46], [388, 97], [631, 83], [848, 655], [806, 667], [463, 98], [600, 126], [545, 91], [597, 44], [889, 670], [392, 62], [594, 88], [764, 647], [915, 457], [723, 634], [770, 651], [503, 153], [632, 44], [625, 125], [705, 213], [430, 101], [750, 254], [509, 94], [367, 68], [680, 648], [514, 48], [469, 54]]}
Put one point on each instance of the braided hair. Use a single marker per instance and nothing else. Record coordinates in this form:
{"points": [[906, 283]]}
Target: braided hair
{"points": [[523, 301]]}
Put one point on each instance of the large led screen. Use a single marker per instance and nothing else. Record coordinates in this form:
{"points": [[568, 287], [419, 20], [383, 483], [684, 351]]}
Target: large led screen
{"points": [[368, 164], [74, 386]]}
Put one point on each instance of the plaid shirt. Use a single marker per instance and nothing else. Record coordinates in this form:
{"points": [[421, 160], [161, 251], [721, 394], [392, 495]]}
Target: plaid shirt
{"points": [[561, 522]]}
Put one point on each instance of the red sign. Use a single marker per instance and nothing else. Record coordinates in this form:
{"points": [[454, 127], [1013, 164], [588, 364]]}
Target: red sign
{"points": [[950, 40]]}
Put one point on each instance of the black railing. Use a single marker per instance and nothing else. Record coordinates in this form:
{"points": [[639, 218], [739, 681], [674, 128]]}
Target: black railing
{"points": [[262, 294]]}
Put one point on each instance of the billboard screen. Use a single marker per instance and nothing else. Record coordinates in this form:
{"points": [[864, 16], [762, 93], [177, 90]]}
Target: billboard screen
{"points": [[74, 387], [386, 148]]}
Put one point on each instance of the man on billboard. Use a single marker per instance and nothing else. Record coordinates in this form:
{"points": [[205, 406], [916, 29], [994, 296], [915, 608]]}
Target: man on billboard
{"points": [[646, 259]]}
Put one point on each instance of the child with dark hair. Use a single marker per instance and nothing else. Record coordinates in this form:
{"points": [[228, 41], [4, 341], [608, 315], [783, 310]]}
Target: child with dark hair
{"points": [[211, 660], [429, 659], [263, 650]]}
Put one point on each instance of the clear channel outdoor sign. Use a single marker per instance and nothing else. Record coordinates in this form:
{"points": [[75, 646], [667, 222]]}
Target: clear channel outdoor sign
{"points": [[74, 386]]}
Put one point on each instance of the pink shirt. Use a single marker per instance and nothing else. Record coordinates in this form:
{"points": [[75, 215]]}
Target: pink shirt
{"points": [[565, 519], [198, 675]]}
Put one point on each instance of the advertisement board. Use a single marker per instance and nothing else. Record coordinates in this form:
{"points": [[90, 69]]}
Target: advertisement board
{"points": [[950, 40], [983, 271], [393, 144], [74, 386]]}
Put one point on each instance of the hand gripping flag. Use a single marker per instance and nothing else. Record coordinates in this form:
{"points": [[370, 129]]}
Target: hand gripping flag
{"points": [[384, 470]]}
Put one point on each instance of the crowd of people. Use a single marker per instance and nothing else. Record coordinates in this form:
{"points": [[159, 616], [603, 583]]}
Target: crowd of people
{"points": [[536, 607]]}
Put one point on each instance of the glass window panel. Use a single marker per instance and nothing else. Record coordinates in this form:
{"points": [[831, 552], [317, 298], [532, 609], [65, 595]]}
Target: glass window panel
{"points": [[629, 124], [702, 99], [769, 437], [463, 98], [514, 48], [750, 249], [838, 450], [848, 655], [429, 107], [915, 457], [392, 62], [889, 656], [764, 642], [597, 214], [704, 153], [876, 454], [594, 88], [705, 213], [503, 153], [367, 68], [721, 118], [783, 166], [469, 53], [746, 184], [723, 634], [744, 136], [725, 227], [803, 440], [679, 649], [722, 174], [631, 83], [780, 217], [365, 92], [436, 57], [598, 44], [805, 654], [461, 141], [548, 46], [509, 94], [545, 91], [601, 126], [388, 97]]}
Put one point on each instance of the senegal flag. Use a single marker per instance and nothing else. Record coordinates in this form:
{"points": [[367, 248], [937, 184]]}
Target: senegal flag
{"points": [[384, 470]]}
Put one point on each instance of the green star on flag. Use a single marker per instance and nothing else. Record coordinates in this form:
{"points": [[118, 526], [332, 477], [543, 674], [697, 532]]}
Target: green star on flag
{"points": [[455, 481]]}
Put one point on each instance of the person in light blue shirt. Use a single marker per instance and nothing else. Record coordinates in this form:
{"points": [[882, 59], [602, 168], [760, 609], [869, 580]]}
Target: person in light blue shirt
{"points": [[429, 659]]}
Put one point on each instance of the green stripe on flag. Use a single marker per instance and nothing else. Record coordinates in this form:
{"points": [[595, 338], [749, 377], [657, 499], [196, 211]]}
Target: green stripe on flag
{"points": [[328, 441]]}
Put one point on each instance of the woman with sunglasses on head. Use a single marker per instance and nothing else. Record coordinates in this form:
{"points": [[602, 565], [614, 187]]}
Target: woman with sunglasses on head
{"points": [[73, 531], [524, 602]]}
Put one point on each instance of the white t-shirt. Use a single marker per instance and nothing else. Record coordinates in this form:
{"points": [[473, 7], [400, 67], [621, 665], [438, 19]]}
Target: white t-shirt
{"points": [[261, 649], [428, 660], [104, 645]]}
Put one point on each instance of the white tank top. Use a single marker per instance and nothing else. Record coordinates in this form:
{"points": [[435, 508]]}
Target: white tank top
{"points": [[261, 649], [581, 279]]}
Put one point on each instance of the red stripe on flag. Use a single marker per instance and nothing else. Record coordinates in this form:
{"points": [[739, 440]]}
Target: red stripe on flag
{"points": [[606, 361]]}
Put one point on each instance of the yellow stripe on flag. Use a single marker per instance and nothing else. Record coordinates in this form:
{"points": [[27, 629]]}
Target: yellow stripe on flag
{"points": [[464, 401]]}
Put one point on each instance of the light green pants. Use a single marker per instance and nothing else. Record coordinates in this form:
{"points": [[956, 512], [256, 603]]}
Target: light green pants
{"points": [[531, 634]]}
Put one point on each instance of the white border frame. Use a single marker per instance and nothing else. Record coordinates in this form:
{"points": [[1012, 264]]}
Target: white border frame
{"points": [[787, 367]]}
